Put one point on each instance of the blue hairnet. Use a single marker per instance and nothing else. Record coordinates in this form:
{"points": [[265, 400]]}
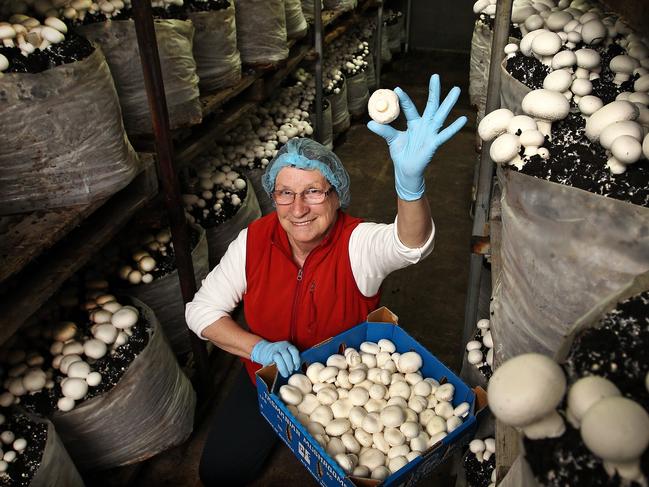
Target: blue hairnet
{"points": [[309, 154]]}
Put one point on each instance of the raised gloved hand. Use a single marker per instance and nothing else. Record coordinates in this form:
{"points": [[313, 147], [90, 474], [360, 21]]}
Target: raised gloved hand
{"points": [[412, 150], [283, 354]]}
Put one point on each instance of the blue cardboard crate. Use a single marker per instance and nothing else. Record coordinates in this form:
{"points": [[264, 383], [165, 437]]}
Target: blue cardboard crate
{"points": [[325, 470]]}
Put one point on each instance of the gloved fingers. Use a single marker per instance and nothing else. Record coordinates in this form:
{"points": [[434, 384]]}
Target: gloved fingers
{"points": [[450, 131], [295, 355], [446, 107], [386, 131], [287, 356], [433, 97], [281, 364], [407, 106]]}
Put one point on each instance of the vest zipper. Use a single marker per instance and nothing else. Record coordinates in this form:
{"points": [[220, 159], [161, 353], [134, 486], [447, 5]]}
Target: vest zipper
{"points": [[295, 303]]}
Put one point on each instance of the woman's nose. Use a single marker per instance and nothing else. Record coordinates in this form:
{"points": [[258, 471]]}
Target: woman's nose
{"points": [[299, 208]]}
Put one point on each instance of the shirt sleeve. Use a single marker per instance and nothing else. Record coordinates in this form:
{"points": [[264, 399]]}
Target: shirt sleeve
{"points": [[222, 290], [375, 251]]}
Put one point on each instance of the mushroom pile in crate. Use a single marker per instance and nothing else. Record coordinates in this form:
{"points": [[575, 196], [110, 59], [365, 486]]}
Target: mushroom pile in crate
{"points": [[55, 365], [479, 351], [371, 409], [589, 79], [29, 46], [480, 463]]}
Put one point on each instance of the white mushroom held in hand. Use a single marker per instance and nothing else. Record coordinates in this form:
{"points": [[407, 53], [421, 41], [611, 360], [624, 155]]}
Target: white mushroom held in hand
{"points": [[383, 106]]}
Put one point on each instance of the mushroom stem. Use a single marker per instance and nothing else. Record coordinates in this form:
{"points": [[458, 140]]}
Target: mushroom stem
{"points": [[549, 426], [615, 166], [545, 127], [628, 470]]}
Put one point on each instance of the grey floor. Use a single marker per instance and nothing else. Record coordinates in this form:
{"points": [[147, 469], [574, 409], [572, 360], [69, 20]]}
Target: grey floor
{"points": [[429, 297]]}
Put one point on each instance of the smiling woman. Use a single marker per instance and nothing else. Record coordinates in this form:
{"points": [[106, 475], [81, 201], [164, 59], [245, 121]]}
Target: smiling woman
{"points": [[309, 271]]}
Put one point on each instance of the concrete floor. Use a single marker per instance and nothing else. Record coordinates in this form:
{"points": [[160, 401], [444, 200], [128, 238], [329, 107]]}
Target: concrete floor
{"points": [[429, 297]]}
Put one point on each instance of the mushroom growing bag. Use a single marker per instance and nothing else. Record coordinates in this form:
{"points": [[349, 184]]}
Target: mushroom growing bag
{"points": [[218, 62], [174, 37], [563, 250], [63, 138], [326, 133], [296, 25], [340, 119], [357, 95], [150, 410], [164, 297], [512, 91], [308, 7], [220, 236], [56, 468], [266, 205], [261, 31], [339, 4]]}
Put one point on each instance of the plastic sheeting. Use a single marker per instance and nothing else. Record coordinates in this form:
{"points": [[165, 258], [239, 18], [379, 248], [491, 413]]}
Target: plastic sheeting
{"points": [[326, 133], [340, 119], [265, 202], [308, 7], [220, 236], [261, 31], [394, 37], [563, 250], [370, 73], [51, 156], [218, 61], [56, 468], [357, 95], [296, 25], [164, 297], [479, 66], [118, 40], [121, 427], [512, 91], [339, 4]]}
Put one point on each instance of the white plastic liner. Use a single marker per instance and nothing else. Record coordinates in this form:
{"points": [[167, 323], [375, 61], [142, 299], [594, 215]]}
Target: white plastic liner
{"points": [[357, 95], [479, 66], [56, 468], [164, 297], [118, 40], [563, 250], [50, 155], [265, 202], [261, 31], [296, 25], [218, 61], [339, 4], [327, 130], [150, 410], [308, 7], [220, 236], [340, 119], [512, 91]]}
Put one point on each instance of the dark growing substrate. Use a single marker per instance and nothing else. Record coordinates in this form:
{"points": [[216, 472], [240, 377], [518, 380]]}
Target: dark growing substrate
{"points": [[21, 471], [478, 474]]}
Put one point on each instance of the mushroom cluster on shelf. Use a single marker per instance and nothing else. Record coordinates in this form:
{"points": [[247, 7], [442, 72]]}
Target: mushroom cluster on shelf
{"points": [[145, 258], [479, 351], [12, 446], [371, 409], [62, 363], [480, 463], [22, 445]]}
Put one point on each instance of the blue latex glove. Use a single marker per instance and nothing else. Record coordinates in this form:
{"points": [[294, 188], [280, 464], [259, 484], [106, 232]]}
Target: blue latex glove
{"points": [[412, 150], [283, 354]]}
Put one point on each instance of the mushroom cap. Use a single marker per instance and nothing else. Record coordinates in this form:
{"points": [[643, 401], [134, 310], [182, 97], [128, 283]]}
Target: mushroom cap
{"points": [[639, 97], [532, 138], [525, 45], [615, 111], [593, 32], [534, 22], [564, 59], [526, 388], [626, 149], [557, 20], [617, 129], [546, 43], [623, 64], [558, 80], [494, 124], [645, 151], [546, 105], [522, 123], [616, 429], [581, 87], [504, 148], [521, 13], [585, 393], [642, 83], [587, 58], [589, 104]]}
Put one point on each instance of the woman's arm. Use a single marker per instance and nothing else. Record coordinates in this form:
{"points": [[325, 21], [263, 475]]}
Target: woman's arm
{"points": [[226, 334], [414, 224]]}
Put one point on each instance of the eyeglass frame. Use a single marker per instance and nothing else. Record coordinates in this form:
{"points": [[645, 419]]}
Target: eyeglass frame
{"points": [[325, 194]]}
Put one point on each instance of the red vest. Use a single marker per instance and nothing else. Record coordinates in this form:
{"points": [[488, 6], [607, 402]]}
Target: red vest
{"points": [[304, 306]]}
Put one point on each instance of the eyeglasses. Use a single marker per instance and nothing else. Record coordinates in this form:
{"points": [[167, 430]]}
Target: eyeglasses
{"points": [[311, 196]]}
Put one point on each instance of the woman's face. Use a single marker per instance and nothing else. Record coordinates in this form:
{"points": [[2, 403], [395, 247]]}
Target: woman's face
{"points": [[306, 225]]}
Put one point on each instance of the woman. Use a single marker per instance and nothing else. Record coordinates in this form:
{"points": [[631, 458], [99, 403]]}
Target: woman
{"points": [[309, 271]]}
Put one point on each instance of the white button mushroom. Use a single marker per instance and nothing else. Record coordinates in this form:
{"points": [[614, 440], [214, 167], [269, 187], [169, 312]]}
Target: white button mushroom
{"points": [[93, 379], [585, 393], [74, 388], [616, 429], [125, 317], [546, 106], [494, 124], [383, 106], [524, 392]]}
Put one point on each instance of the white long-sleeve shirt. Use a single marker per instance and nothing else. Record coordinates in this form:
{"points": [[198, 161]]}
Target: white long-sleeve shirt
{"points": [[374, 252]]}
